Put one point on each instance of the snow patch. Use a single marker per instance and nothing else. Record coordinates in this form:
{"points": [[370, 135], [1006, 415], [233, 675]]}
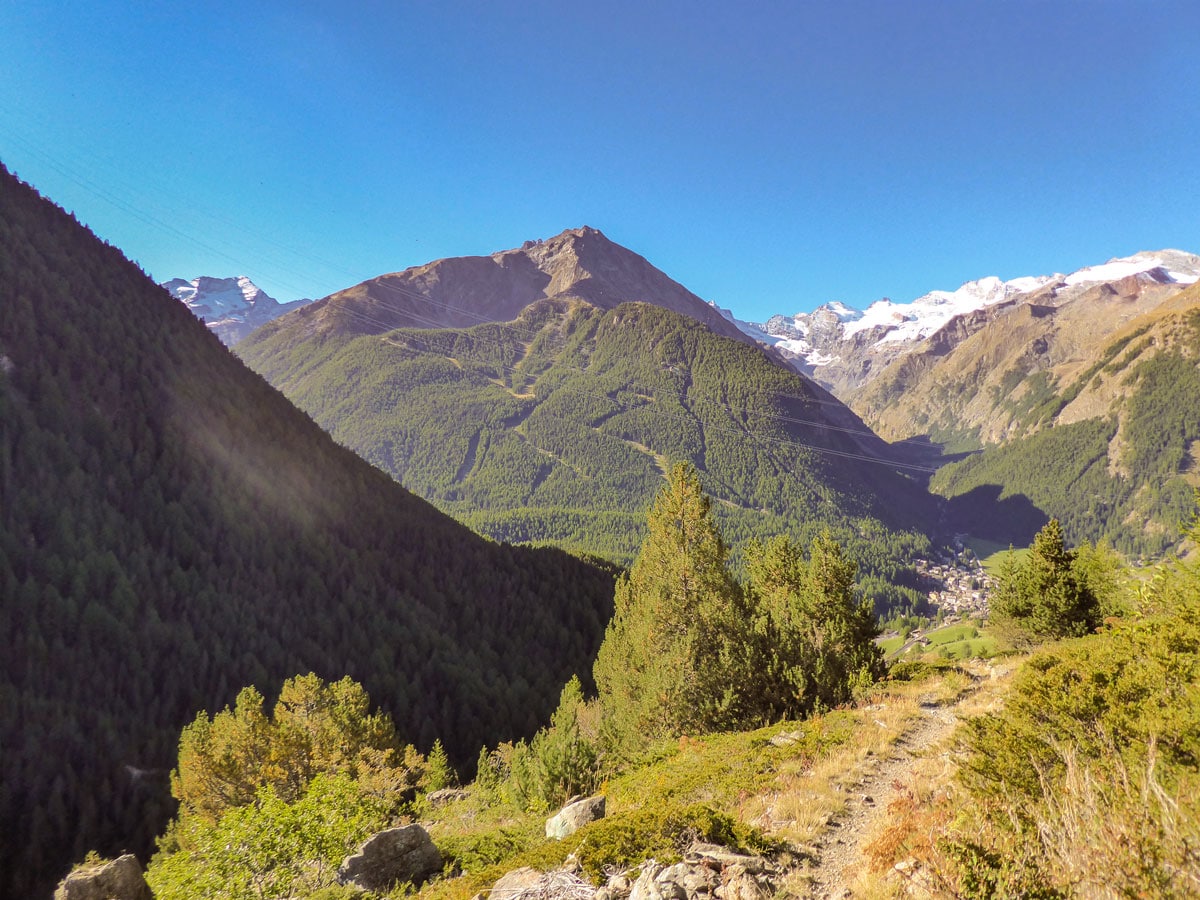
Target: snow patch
{"points": [[1172, 262]]}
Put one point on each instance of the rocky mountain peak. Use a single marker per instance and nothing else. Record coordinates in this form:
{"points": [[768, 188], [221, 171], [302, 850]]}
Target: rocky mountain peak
{"points": [[844, 348], [230, 307], [578, 263]]}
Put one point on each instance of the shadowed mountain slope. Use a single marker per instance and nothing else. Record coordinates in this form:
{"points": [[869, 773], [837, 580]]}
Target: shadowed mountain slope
{"points": [[171, 528]]}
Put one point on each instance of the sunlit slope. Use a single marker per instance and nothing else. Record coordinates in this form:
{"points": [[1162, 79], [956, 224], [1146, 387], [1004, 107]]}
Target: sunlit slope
{"points": [[558, 427], [1108, 447]]}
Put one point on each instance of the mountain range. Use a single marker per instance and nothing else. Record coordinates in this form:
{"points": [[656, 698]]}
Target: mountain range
{"points": [[982, 370], [844, 348]]}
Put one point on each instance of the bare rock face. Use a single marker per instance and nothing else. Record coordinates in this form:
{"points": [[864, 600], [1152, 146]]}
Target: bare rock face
{"points": [[391, 857], [120, 879], [574, 816]]}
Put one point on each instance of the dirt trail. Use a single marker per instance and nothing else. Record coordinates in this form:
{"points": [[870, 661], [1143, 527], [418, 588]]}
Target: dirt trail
{"points": [[841, 846]]}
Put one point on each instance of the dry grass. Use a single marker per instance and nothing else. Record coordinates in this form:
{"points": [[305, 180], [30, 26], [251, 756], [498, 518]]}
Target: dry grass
{"points": [[900, 846], [1114, 832], [807, 796]]}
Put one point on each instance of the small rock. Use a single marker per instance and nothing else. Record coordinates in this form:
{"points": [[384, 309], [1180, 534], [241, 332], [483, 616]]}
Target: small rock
{"points": [[647, 887], [867, 798], [724, 857], [515, 883], [446, 795], [741, 885], [698, 881], [619, 885], [784, 738]]}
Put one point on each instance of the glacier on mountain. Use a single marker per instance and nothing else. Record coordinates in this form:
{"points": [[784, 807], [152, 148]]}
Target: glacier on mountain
{"points": [[815, 338]]}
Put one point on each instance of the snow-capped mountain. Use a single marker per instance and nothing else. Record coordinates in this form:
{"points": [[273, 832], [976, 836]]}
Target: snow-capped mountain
{"points": [[231, 307], [844, 348]]}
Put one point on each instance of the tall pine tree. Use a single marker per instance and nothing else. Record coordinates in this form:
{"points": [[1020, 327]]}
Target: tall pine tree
{"points": [[669, 661]]}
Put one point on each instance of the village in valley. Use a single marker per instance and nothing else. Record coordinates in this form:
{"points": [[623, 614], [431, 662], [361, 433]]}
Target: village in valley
{"points": [[957, 584], [957, 589]]}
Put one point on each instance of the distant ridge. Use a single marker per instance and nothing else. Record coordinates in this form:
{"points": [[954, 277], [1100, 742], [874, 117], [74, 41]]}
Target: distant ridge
{"points": [[459, 292], [844, 348]]}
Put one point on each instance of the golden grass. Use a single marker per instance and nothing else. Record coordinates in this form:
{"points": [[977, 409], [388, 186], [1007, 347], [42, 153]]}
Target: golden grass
{"points": [[807, 796], [794, 793]]}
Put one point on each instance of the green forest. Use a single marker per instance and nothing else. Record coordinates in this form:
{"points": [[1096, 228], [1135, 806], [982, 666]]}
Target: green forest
{"points": [[172, 529], [709, 688], [560, 426], [689, 650]]}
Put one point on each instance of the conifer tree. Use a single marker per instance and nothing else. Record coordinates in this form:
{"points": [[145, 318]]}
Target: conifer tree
{"points": [[814, 638], [669, 659], [439, 773], [842, 627], [1043, 597]]}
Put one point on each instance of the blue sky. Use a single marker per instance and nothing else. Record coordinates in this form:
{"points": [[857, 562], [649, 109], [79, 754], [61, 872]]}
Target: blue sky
{"points": [[770, 158]]}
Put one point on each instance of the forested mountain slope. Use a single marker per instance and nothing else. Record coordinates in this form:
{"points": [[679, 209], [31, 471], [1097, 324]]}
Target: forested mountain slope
{"points": [[558, 426], [171, 528], [1094, 425]]}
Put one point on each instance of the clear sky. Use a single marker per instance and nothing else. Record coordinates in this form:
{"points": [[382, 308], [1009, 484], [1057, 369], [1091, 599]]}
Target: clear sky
{"points": [[770, 156]]}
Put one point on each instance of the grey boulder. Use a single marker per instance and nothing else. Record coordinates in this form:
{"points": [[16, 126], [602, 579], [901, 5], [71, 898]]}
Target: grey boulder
{"points": [[390, 857], [574, 816], [120, 879]]}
